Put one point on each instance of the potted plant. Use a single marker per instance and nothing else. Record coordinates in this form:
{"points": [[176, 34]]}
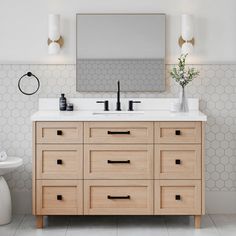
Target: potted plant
{"points": [[183, 76]]}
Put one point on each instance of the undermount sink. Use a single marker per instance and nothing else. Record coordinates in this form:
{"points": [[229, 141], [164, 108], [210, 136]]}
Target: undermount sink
{"points": [[109, 113]]}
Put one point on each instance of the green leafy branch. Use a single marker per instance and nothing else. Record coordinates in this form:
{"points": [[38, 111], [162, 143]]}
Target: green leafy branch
{"points": [[182, 75]]}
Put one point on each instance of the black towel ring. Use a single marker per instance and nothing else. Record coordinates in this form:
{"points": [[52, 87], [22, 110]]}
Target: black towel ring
{"points": [[29, 74]]}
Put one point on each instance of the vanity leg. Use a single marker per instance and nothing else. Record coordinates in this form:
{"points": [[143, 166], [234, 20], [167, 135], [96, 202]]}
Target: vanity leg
{"points": [[197, 221], [39, 222]]}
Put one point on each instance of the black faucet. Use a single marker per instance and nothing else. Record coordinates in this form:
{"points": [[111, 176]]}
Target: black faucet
{"points": [[118, 105]]}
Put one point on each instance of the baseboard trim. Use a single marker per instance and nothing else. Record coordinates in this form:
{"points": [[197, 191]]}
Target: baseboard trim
{"points": [[217, 202]]}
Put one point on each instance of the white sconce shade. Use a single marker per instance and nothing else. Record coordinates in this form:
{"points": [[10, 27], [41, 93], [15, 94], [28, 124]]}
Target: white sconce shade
{"points": [[186, 40], [54, 27], [187, 27], [187, 48], [53, 48], [55, 41]]}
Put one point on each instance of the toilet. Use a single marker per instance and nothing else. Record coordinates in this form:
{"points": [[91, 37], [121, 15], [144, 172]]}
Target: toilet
{"points": [[5, 197]]}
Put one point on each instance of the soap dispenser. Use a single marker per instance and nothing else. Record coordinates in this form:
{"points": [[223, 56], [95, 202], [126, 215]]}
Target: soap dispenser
{"points": [[62, 102]]}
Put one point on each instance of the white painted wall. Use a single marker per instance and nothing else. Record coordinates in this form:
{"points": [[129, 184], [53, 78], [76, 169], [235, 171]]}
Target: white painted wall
{"points": [[24, 27]]}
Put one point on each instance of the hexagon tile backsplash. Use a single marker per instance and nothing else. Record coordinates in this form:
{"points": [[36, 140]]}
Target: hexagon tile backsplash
{"points": [[216, 88]]}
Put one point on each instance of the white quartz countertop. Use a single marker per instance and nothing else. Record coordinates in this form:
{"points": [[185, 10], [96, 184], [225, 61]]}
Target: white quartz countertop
{"points": [[158, 115], [86, 109]]}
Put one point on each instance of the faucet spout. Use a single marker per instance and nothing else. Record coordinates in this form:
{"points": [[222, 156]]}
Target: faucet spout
{"points": [[118, 105]]}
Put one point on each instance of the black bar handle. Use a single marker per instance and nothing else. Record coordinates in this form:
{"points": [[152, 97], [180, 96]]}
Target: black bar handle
{"points": [[117, 162], [59, 162], [118, 197], [118, 132], [106, 104], [177, 132], [131, 104], [177, 161], [177, 197], [59, 132], [59, 197]]}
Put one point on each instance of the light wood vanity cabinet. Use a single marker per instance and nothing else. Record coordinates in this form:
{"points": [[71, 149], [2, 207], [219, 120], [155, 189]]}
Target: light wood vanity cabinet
{"points": [[118, 168]]}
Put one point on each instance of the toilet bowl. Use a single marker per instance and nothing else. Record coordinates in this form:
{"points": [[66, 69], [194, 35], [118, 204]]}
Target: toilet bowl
{"points": [[5, 197]]}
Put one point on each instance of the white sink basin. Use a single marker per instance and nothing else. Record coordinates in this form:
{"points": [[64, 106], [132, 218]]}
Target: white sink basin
{"points": [[9, 165], [117, 113]]}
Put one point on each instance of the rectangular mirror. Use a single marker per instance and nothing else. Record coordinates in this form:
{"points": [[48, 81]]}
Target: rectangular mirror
{"points": [[125, 47]]}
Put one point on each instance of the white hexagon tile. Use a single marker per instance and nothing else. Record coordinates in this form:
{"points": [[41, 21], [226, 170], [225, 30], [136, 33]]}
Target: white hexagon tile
{"points": [[216, 87]]}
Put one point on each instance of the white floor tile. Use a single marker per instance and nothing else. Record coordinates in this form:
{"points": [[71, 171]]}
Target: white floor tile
{"points": [[184, 226], [54, 226], [141, 226], [92, 226], [10, 229], [225, 224], [213, 225]]}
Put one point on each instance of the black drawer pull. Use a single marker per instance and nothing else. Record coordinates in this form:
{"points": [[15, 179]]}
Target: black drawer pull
{"points": [[59, 132], [118, 197], [177, 197], [118, 132], [177, 161], [118, 162], [59, 197], [177, 132], [59, 162]]}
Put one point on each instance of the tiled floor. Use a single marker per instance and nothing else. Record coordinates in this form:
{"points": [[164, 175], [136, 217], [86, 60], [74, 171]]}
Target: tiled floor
{"points": [[212, 225]]}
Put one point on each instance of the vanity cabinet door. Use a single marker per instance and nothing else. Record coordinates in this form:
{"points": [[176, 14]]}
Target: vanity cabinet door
{"points": [[59, 197], [118, 132], [178, 132], [63, 161], [177, 161], [59, 132], [118, 197], [118, 161], [177, 197]]}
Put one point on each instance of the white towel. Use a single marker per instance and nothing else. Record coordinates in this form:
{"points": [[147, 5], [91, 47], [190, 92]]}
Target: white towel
{"points": [[3, 156]]}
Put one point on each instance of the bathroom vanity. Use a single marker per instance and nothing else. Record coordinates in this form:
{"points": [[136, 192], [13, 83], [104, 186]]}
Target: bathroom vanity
{"points": [[95, 163]]}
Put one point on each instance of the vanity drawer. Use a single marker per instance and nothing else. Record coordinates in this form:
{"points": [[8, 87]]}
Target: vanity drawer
{"points": [[59, 197], [118, 132], [118, 161], [118, 197], [63, 161], [178, 132], [178, 161], [59, 132], [177, 197]]}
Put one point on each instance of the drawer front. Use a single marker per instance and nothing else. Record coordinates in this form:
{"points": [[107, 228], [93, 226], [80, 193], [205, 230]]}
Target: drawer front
{"points": [[118, 132], [177, 197], [177, 161], [59, 132], [118, 197], [178, 132], [59, 161], [118, 161], [59, 197]]}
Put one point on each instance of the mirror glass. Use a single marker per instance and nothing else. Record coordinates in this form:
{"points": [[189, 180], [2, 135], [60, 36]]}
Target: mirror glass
{"points": [[125, 47]]}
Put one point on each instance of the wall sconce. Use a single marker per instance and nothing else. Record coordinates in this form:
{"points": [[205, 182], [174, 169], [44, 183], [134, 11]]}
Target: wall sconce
{"points": [[55, 41], [186, 40]]}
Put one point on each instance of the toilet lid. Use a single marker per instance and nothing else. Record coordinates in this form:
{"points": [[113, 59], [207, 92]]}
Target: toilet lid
{"points": [[11, 162]]}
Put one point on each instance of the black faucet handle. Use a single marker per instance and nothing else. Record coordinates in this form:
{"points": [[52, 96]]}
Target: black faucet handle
{"points": [[131, 104], [106, 104]]}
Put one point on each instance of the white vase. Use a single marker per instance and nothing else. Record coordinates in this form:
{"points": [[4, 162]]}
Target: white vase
{"points": [[183, 101]]}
